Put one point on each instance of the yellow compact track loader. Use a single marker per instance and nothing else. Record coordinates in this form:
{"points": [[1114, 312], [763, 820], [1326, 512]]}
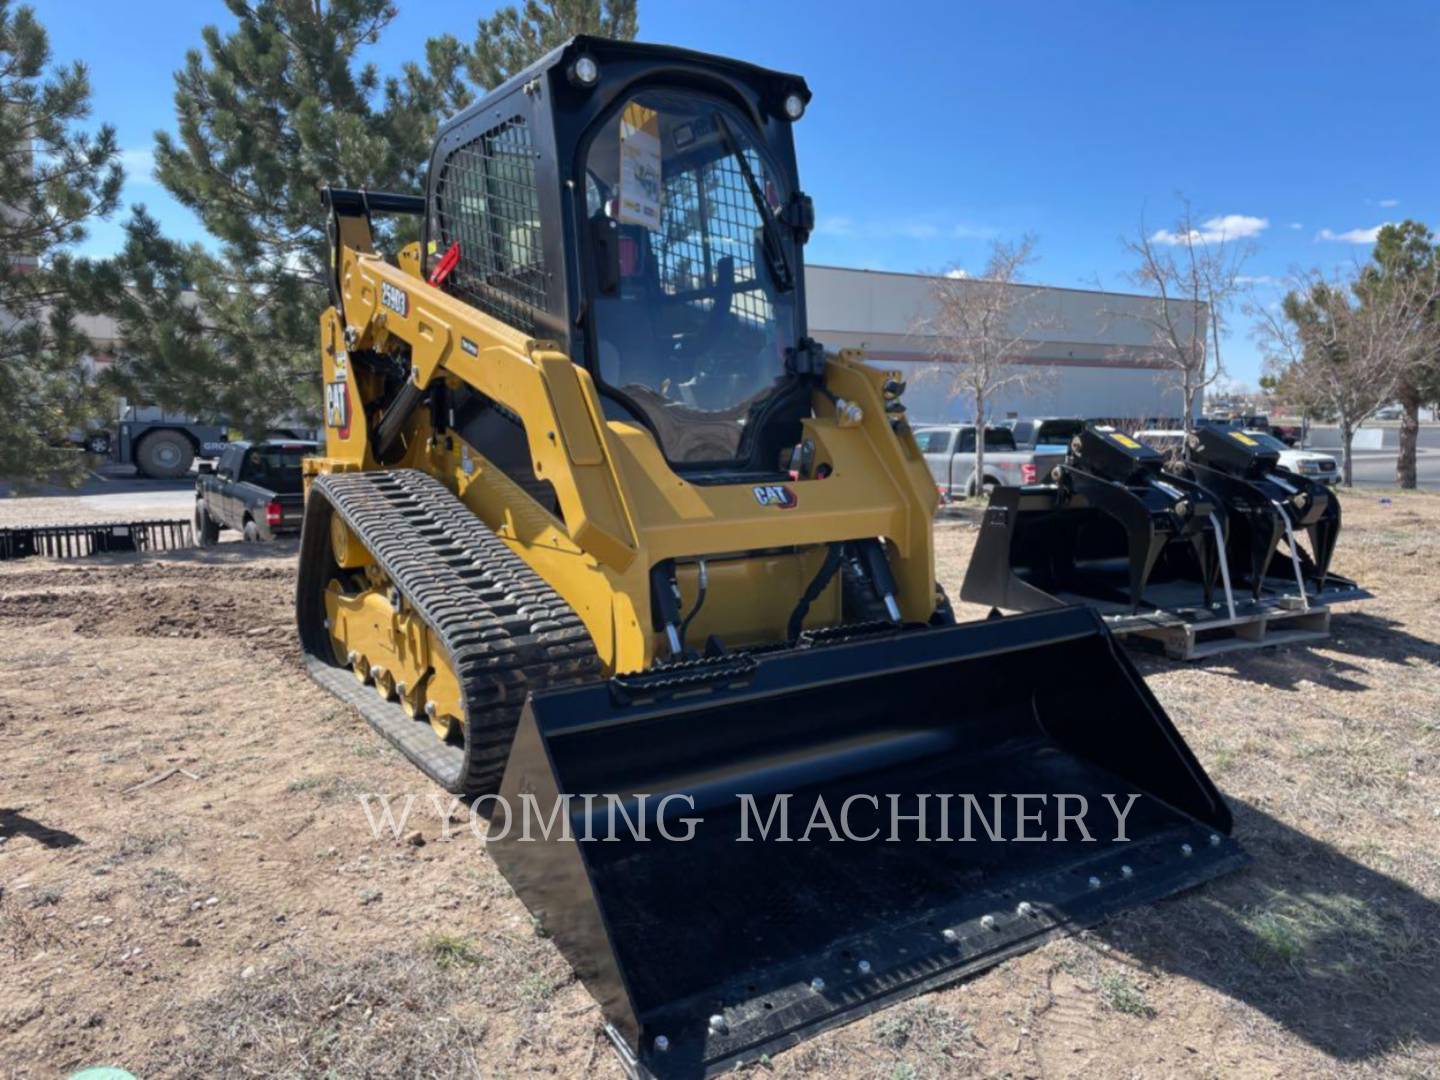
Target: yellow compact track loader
{"points": [[599, 528]]}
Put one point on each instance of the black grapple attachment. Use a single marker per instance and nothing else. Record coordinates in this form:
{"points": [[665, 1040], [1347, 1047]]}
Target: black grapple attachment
{"points": [[1112, 523], [1265, 504]]}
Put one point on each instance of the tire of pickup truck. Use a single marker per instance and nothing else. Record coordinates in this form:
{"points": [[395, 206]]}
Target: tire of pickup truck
{"points": [[251, 532], [207, 533], [990, 482], [164, 455]]}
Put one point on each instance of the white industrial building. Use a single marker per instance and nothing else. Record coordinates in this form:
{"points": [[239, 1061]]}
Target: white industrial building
{"points": [[1094, 357], [1092, 361]]}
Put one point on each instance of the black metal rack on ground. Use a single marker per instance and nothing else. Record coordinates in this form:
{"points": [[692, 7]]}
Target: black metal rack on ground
{"points": [[97, 538]]}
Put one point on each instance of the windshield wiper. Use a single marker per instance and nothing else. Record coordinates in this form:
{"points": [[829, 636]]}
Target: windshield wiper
{"points": [[773, 244]]}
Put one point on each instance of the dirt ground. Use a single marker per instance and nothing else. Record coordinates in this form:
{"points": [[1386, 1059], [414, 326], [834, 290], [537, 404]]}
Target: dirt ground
{"points": [[191, 887]]}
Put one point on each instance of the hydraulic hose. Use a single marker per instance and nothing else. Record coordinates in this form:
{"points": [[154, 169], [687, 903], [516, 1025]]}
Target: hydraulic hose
{"points": [[393, 422], [813, 591]]}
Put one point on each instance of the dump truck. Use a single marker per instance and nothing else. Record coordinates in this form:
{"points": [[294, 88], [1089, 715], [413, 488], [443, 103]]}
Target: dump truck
{"points": [[599, 529], [161, 445]]}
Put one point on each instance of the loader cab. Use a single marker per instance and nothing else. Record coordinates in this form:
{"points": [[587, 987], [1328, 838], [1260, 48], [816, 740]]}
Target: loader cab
{"points": [[639, 205]]}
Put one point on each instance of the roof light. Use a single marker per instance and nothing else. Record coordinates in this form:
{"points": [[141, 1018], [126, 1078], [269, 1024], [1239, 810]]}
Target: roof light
{"points": [[794, 106], [584, 71]]}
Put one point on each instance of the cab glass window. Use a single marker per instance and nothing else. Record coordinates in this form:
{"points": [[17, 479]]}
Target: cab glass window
{"points": [[692, 312]]}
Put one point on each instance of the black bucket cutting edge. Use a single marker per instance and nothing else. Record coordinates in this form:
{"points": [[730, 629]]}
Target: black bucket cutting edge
{"points": [[711, 950]]}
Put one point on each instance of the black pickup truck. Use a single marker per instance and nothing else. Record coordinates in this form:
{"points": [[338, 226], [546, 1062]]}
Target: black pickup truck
{"points": [[255, 489]]}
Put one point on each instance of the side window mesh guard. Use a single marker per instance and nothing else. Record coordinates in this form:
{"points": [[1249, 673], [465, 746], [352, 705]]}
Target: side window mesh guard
{"points": [[488, 202]]}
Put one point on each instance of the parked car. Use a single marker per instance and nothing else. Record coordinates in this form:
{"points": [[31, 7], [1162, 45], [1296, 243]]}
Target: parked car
{"points": [[1241, 420], [1046, 431], [1311, 463], [256, 489], [1317, 466], [1288, 434], [949, 450]]}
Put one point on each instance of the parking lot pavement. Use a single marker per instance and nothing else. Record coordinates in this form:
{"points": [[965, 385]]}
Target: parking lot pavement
{"points": [[113, 493], [1376, 468]]}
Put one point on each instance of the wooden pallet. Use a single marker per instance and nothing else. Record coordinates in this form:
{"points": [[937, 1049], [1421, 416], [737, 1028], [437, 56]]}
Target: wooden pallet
{"points": [[1258, 629], [1185, 630]]}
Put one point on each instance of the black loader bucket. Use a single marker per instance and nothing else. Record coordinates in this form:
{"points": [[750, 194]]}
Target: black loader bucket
{"points": [[821, 861], [1267, 506], [1114, 530]]}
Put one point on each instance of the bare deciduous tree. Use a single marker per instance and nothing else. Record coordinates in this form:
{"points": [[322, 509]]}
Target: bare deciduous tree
{"points": [[1404, 250], [1340, 344], [1192, 272], [981, 331]]}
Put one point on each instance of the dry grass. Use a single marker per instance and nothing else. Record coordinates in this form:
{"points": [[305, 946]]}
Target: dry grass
{"points": [[386, 1014], [328, 952]]}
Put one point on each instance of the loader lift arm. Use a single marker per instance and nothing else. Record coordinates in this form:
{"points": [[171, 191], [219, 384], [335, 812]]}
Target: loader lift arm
{"points": [[439, 332]]}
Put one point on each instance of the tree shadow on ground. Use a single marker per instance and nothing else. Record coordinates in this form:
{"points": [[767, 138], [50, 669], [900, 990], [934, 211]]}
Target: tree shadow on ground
{"points": [[1287, 667], [1336, 952], [14, 823], [1352, 634], [1359, 633]]}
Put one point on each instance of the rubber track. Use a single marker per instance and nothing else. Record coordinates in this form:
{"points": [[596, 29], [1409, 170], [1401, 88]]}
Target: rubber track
{"points": [[505, 631]]}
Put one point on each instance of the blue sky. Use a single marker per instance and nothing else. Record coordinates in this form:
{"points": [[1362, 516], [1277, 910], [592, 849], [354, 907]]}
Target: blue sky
{"points": [[938, 126]]}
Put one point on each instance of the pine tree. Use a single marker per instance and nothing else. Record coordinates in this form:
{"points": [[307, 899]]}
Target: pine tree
{"points": [[1409, 249], [513, 38], [267, 114], [55, 177]]}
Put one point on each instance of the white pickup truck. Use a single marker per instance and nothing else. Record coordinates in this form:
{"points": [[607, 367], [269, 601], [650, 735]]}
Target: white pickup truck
{"points": [[1310, 463], [949, 450]]}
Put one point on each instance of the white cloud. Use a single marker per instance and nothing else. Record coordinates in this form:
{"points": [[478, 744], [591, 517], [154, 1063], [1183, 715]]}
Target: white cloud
{"points": [[974, 232], [1387, 203], [1352, 236], [916, 230], [957, 272], [1216, 230], [139, 165], [1257, 279], [1296, 225]]}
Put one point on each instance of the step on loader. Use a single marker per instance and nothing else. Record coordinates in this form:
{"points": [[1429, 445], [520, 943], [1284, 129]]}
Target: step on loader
{"points": [[601, 533]]}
